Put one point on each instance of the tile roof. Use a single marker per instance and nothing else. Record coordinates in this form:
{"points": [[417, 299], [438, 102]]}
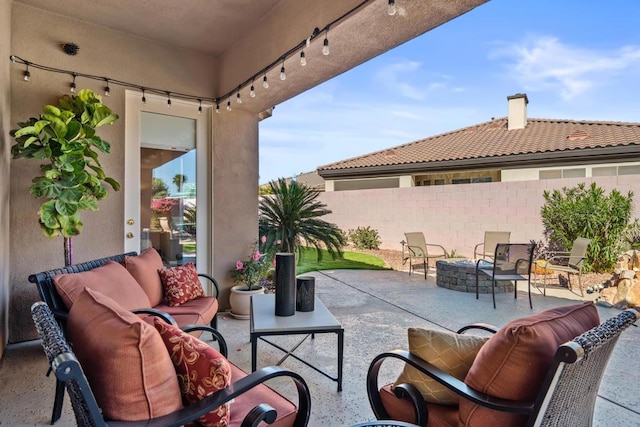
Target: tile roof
{"points": [[492, 139], [311, 179]]}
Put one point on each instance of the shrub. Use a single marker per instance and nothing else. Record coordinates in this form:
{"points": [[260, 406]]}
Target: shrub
{"points": [[364, 238], [587, 212], [632, 235]]}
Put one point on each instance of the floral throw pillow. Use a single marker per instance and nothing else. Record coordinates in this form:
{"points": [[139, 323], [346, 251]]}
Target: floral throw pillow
{"points": [[201, 370], [180, 284]]}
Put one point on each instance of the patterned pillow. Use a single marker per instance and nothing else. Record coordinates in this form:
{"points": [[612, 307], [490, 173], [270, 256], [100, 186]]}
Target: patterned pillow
{"points": [[451, 352], [180, 284], [201, 370]]}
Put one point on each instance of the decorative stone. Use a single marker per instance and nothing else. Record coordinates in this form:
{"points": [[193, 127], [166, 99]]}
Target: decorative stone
{"points": [[461, 276]]}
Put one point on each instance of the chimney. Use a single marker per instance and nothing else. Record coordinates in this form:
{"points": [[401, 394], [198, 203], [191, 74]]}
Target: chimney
{"points": [[517, 111]]}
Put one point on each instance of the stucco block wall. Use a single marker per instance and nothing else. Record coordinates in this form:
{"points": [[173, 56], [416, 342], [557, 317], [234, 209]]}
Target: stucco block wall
{"points": [[456, 216]]}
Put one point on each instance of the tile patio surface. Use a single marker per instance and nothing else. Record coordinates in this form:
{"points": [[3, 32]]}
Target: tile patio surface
{"points": [[375, 309]]}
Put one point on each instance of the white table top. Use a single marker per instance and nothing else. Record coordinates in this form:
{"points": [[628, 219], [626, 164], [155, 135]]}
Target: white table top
{"points": [[264, 319]]}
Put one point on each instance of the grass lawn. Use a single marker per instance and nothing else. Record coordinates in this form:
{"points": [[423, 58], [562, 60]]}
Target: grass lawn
{"points": [[351, 260]]}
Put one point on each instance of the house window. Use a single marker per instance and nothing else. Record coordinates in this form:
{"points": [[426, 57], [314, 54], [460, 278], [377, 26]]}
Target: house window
{"points": [[604, 171], [550, 174], [629, 170], [574, 173], [439, 182], [426, 182], [461, 181], [482, 179]]}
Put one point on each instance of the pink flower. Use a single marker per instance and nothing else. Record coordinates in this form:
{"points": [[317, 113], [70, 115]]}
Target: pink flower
{"points": [[273, 263], [279, 242], [256, 256], [239, 265], [263, 239]]}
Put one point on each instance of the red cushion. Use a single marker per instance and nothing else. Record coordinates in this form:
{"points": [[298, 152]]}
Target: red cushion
{"points": [[513, 363], [201, 370], [124, 359], [402, 410], [181, 284], [111, 279], [144, 268]]}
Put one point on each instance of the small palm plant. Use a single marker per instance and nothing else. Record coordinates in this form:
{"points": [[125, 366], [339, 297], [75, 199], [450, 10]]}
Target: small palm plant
{"points": [[292, 214]]}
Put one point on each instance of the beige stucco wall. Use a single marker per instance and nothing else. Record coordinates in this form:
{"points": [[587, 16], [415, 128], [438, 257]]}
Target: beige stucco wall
{"points": [[456, 216], [37, 36], [5, 113]]}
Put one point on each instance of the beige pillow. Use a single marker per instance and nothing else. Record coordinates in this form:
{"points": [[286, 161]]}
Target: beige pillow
{"points": [[451, 352]]}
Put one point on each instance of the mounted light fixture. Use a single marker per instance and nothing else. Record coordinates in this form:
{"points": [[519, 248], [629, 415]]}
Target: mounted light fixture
{"points": [[72, 87], [265, 82], [325, 44], [303, 60], [252, 91], [228, 105], [238, 99], [283, 75], [217, 108], [27, 74], [107, 90]]}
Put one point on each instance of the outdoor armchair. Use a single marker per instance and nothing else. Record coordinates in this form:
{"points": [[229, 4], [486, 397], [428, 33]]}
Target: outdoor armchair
{"points": [[419, 251], [543, 379], [488, 247], [253, 401], [567, 262]]}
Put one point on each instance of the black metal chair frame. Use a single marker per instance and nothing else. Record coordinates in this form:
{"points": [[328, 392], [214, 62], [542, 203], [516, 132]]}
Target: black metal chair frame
{"points": [[68, 370], [567, 395], [420, 253], [502, 250], [49, 294]]}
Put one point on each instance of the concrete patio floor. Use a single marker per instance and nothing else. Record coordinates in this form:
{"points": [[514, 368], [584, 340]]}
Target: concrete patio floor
{"points": [[375, 309]]}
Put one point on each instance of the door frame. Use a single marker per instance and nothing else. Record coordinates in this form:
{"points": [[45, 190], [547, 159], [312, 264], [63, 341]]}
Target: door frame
{"points": [[179, 108]]}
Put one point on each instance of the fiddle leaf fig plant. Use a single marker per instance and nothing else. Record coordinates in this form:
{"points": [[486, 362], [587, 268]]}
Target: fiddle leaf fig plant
{"points": [[72, 179]]}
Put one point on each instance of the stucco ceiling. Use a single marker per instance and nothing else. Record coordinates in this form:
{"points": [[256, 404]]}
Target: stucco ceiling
{"points": [[207, 26]]}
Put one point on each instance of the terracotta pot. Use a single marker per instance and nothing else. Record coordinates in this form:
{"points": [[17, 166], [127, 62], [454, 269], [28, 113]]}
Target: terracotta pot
{"points": [[240, 301]]}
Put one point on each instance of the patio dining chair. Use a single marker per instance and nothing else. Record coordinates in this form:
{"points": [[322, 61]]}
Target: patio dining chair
{"points": [[567, 262], [511, 262], [488, 247], [419, 253]]}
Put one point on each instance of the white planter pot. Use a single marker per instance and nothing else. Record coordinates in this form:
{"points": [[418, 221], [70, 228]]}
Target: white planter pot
{"points": [[240, 301]]}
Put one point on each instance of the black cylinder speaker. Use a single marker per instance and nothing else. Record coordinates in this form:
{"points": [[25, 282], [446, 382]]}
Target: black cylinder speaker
{"points": [[285, 284], [305, 293]]}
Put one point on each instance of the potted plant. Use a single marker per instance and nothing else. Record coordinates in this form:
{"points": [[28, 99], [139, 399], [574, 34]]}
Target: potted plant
{"points": [[64, 139], [249, 274]]}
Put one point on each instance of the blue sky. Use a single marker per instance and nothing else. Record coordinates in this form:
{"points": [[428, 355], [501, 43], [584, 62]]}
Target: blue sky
{"points": [[577, 60]]}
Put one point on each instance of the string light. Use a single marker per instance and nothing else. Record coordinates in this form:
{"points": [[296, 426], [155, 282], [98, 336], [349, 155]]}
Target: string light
{"points": [[283, 75], [391, 9], [325, 44], [302, 47]]}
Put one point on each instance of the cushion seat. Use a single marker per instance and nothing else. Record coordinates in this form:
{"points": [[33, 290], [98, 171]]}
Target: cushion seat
{"points": [[205, 307], [401, 410]]}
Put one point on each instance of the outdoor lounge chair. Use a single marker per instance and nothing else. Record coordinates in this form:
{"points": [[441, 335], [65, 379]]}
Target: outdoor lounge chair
{"points": [[567, 262], [253, 401], [418, 251], [488, 247], [561, 392], [511, 262]]}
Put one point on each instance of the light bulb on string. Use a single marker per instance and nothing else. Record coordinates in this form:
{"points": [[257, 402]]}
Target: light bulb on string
{"points": [[217, 108], [144, 98], [199, 106], [303, 60], [265, 82], [283, 75], [107, 90], [325, 45], [72, 88], [168, 99], [13, 59], [391, 9], [252, 90], [228, 105], [238, 99], [27, 74]]}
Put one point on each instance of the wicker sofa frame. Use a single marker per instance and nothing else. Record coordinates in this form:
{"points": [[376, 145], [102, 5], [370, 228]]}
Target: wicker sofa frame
{"points": [[568, 393], [67, 369]]}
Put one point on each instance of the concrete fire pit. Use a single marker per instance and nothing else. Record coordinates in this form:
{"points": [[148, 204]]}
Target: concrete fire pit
{"points": [[460, 276]]}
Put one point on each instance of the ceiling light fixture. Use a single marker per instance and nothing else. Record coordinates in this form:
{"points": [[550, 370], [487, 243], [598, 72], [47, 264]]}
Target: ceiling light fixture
{"points": [[391, 9]]}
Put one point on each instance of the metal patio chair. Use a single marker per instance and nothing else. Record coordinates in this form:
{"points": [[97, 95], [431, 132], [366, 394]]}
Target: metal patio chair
{"points": [[488, 247], [567, 262], [418, 251]]}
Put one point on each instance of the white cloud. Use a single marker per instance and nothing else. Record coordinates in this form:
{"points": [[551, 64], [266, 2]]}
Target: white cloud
{"points": [[393, 77], [546, 64]]}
